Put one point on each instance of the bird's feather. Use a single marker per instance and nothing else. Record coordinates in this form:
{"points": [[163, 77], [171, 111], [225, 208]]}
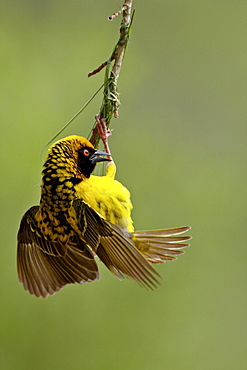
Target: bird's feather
{"points": [[45, 270], [159, 246], [113, 247]]}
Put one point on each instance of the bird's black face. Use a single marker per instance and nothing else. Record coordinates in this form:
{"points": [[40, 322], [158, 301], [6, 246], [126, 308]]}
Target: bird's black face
{"points": [[87, 159]]}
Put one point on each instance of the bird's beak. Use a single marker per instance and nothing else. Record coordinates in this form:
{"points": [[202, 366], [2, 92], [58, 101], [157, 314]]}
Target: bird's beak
{"points": [[95, 159]]}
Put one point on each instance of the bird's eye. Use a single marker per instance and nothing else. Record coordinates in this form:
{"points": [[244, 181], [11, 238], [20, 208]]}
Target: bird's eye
{"points": [[86, 152]]}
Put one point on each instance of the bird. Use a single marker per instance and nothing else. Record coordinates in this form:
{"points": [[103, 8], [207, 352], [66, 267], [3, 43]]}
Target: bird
{"points": [[82, 216]]}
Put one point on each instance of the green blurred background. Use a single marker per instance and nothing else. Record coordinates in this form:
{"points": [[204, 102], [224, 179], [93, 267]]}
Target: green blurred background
{"points": [[180, 148]]}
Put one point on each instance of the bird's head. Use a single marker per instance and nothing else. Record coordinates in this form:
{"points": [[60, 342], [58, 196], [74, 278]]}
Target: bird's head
{"points": [[74, 157]]}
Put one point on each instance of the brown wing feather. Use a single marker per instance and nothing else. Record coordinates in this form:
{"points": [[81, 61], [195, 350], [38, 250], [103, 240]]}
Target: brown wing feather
{"points": [[159, 246], [43, 274], [114, 248]]}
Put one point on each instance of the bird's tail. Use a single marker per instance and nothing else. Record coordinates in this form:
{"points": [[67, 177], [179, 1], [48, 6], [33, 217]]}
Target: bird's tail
{"points": [[159, 246]]}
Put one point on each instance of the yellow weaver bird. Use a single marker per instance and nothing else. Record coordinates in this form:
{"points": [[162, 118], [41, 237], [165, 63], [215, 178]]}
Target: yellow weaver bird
{"points": [[81, 215]]}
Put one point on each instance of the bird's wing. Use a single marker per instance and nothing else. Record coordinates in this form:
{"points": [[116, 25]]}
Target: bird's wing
{"points": [[115, 249], [159, 246], [43, 273]]}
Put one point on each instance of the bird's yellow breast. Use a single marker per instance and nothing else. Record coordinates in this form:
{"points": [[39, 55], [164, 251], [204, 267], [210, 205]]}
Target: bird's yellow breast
{"points": [[108, 197]]}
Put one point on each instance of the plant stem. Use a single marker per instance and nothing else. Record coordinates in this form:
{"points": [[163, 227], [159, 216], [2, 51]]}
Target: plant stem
{"points": [[110, 104]]}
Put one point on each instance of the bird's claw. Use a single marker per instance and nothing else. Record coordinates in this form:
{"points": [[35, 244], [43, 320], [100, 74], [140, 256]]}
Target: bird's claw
{"points": [[103, 132]]}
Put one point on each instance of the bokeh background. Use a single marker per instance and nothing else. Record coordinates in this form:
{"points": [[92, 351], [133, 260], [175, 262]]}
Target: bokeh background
{"points": [[180, 147]]}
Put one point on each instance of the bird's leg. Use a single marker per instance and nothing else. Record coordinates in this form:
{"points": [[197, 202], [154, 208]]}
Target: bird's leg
{"points": [[104, 133]]}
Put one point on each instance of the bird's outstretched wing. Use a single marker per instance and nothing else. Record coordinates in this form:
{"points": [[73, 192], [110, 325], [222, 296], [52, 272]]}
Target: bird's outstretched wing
{"points": [[159, 246], [114, 247], [44, 267]]}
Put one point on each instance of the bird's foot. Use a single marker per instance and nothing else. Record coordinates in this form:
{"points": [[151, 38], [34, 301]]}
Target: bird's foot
{"points": [[104, 133]]}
